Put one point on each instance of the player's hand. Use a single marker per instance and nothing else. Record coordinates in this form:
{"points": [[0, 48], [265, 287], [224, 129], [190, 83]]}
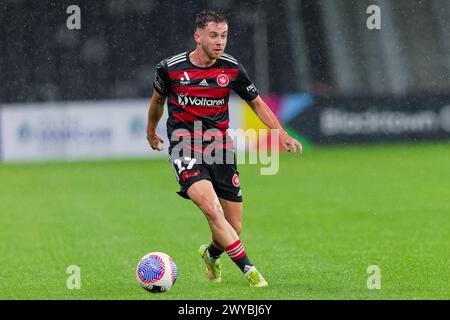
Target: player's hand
{"points": [[290, 144], [154, 140]]}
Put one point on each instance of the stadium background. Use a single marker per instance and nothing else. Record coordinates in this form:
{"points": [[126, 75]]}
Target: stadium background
{"points": [[83, 94]]}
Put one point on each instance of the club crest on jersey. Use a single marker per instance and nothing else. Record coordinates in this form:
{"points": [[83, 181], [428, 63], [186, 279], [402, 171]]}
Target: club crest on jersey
{"points": [[235, 180], [222, 80]]}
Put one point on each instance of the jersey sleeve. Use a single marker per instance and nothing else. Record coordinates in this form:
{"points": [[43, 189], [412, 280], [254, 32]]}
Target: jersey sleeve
{"points": [[243, 86], [161, 80]]}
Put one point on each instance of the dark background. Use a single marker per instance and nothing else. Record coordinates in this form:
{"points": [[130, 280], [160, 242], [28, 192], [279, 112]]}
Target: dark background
{"points": [[319, 46]]}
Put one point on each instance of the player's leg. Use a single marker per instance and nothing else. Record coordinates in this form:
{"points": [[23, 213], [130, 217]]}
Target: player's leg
{"points": [[233, 214], [227, 188], [189, 171], [204, 196]]}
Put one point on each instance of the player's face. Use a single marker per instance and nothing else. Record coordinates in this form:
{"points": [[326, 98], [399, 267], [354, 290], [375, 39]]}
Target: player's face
{"points": [[213, 39]]}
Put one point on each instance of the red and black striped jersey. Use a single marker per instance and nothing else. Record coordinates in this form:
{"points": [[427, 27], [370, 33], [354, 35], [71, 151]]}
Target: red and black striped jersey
{"points": [[196, 94]]}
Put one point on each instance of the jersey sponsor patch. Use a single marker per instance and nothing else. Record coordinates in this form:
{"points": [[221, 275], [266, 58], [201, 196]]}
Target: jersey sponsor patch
{"points": [[251, 88], [189, 174], [159, 83], [185, 80], [185, 100]]}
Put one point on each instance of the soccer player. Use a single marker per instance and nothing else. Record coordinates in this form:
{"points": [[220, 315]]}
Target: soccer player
{"points": [[197, 85]]}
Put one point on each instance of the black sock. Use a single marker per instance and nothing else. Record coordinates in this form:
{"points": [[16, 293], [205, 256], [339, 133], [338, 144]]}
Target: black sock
{"points": [[243, 263], [214, 252]]}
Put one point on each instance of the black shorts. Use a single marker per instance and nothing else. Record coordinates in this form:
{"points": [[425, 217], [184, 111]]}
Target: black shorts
{"points": [[224, 177]]}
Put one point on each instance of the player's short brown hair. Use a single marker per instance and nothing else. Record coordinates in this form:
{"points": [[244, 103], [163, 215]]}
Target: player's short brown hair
{"points": [[206, 16]]}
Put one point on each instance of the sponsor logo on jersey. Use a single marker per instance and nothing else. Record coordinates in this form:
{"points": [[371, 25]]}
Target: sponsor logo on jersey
{"points": [[185, 80], [159, 83], [222, 80], [189, 174], [199, 102], [251, 88], [203, 83]]}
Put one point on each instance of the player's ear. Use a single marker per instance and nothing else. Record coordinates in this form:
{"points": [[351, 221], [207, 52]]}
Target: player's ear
{"points": [[197, 38]]}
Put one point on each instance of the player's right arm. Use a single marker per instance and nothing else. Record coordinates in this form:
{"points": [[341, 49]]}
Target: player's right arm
{"points": [[155, 112], [161, 85]]}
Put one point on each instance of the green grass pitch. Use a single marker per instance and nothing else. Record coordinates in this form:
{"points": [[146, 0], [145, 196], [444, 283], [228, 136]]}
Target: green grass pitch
{"points": [[313, 229]]}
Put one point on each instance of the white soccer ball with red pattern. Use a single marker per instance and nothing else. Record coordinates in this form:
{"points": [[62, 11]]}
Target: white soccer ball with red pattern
{"points": [[156, 272]]}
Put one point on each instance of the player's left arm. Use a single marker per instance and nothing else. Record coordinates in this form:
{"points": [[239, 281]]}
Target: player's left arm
{"points": [[266, 115]]}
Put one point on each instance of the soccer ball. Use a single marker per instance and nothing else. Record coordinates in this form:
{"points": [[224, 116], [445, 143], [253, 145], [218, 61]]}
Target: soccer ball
{"points": [[156, 272]]}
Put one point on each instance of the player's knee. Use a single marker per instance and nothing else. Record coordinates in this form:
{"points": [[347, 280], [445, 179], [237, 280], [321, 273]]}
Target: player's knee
{"points": [[212, 211]]}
